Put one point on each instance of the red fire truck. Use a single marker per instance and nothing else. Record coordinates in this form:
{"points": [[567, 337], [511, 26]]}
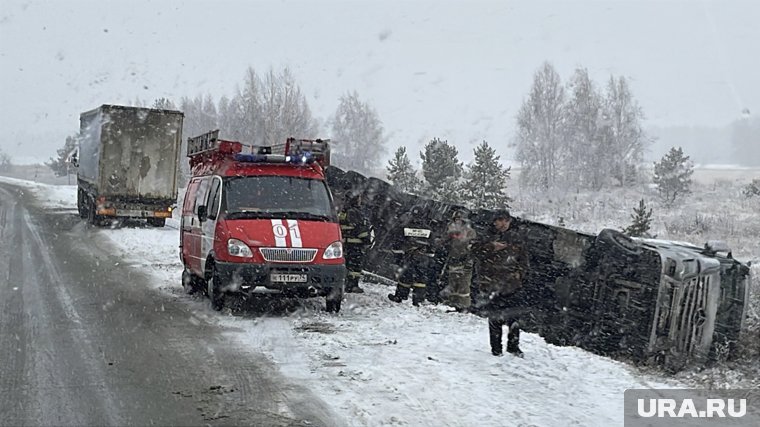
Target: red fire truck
{"points": [[260, 218]]}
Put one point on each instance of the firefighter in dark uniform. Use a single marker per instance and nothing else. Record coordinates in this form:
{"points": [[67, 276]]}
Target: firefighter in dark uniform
{"points": [[357, 234], [413, 246], [460, 235]]}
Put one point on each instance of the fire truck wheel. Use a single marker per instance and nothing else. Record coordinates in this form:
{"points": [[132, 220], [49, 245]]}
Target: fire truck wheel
{"points": [[189, 282], [215, 293], [333, 300]]}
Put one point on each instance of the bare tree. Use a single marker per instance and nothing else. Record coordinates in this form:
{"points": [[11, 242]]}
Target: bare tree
{"points": [[357, 131], [624, 140], [582, 166], [163, 104], [540, 131]]}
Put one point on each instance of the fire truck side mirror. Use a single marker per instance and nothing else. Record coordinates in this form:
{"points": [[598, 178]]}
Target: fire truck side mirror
{"points": [[202, 213]]}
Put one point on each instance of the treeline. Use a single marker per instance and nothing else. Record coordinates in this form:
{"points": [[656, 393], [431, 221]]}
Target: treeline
{"points": [[269, 108], [574, 135]]}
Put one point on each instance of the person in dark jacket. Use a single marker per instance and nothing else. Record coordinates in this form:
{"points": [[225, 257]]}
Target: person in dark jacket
{"points": [[502, 263], [357, 233], [413, 248]]}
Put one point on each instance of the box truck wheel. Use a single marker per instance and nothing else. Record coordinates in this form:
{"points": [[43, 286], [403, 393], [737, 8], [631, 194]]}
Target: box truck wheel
{"points": [[81, 206], [156, 222], [333, 300], [214, 290]]}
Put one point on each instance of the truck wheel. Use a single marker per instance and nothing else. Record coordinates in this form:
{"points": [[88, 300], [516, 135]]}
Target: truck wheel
{"points": [[333, 300], [81, 208], [214, 290], [92, 219], [157, 222], [619, 241]]}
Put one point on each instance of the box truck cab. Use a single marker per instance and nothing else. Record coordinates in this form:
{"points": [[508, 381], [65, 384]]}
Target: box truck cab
{"points": [[259, 218]]}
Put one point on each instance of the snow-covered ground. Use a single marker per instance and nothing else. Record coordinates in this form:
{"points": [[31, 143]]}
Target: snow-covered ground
{"points": [[379, 363]]}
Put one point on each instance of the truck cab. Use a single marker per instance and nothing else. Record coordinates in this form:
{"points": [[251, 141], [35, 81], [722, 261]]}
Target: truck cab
{"points": [[260, 219]]}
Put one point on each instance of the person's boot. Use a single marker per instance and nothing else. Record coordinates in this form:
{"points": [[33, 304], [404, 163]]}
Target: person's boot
{"points": [[418, 297], [401, 294], [353, 287], [494, 334], [513, 340]]}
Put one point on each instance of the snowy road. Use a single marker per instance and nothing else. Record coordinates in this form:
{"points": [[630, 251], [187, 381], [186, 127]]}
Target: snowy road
{"points": [[374, 364], [86, 340]]}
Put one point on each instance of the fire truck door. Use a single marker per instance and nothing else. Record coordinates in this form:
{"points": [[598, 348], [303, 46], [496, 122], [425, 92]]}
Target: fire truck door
{"points": [[197, 258], [213, 203], [188, 241]]}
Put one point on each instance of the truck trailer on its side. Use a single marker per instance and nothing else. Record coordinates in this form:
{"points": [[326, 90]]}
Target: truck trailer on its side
{"points": [[128, 163]]}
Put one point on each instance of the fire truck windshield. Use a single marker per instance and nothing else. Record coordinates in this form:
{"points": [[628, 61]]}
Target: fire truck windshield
{"points": [[277, 197]]}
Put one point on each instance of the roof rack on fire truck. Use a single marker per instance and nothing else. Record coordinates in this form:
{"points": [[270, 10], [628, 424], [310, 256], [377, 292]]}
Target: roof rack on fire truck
{"points": [[297, 151]]}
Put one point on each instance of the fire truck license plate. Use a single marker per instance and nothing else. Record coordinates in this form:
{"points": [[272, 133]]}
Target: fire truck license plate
{"points": [[288, 278]]}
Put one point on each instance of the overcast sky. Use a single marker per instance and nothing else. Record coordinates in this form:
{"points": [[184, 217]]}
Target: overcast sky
{"points": [[458, 70]]}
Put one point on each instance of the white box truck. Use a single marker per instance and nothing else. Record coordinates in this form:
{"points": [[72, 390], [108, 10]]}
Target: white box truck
{"points": [[128, 163]]}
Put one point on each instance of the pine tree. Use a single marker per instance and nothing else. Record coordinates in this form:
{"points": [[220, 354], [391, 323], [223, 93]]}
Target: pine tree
{"points": [[672, 175], [752, 189], [485, 184], [442, 171], [357, 132], [642, 221], [61, 165], [401, 173]]}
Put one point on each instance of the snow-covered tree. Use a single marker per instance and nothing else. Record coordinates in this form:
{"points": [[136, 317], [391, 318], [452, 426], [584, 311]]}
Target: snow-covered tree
{"points": [[5, 161], [200, 115], [642, 221], [61, 165], [485, 180], [745, 140], [401, 173], [442, 171], [357, 133], [752, 189], [285, 112], [267, 110], [672, 175], [163, 104], [583, 166], [624, 140], [540, 136]]}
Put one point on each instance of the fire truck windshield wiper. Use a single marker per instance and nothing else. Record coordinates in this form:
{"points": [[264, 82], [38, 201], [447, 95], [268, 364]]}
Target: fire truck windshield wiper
{"points": [[244, 214], [301, 215]]}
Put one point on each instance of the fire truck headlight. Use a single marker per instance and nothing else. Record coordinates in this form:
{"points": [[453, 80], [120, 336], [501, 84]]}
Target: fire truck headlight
{"points": [[237, 248], [334, 251]]}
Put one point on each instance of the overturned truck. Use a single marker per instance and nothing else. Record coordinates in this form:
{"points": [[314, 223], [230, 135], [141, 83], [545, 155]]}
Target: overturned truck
{"points": [[646, 301]]}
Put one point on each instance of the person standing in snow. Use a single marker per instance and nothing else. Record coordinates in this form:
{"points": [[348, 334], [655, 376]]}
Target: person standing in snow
{"points": [[460, 235], [502, 263], [357, 231], [415, 254]]}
